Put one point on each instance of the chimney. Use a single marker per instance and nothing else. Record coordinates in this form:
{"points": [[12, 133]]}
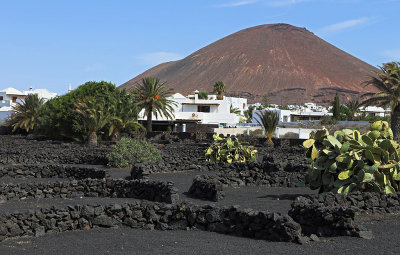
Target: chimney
{"points": [[196, 95], [30, 88], [69, 88]]}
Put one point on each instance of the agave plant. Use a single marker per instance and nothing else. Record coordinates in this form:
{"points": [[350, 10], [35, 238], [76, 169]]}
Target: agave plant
{"points": [[348, 161], [229, 150]]}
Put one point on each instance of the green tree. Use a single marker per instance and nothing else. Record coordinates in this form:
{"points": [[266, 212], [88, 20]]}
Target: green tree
{"points": [[203, 95], [219, 90], [387, 82], [269, 121], [59, 119], [93, 115], [234, 110], [352, 107], [152, 96], [124, 116], [265, 100], [248, 114], [336, 107], [26, 114]]}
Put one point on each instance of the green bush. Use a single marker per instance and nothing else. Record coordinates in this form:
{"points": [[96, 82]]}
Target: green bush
{"points": [[127, 152], [229, 150], [348, 161]]}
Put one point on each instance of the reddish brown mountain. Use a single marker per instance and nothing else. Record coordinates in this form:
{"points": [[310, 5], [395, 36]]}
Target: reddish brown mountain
{"points": [[290, 63]]}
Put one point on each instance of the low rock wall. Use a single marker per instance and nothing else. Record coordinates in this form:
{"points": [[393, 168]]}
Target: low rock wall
{"points": [[51, 171], [146, 215], [20, 150], [149, 190]]}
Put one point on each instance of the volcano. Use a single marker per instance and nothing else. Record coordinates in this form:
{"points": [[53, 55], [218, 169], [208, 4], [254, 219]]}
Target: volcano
{"points": [[290, 64]]}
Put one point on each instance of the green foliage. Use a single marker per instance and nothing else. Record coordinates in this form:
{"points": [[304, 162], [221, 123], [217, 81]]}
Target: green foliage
{"points": [[203, 95], [127, 152], [219, 89], [234, 110], [152, 96], [248, 114], [59, 119], [269, 121], [349, 161], [265, 100], [229, 150], [26, 114]]}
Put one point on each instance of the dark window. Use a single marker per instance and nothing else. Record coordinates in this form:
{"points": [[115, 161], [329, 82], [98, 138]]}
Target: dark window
{"points": [[1, 98], [14, 99], [203, 108]]}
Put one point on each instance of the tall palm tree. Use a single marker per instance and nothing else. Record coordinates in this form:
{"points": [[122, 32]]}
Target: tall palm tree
{"points": [[269, 121], [219, 89], [93, 115], [352, 108], [151, 95], [124, 115], [387, 81], [26, 114]]}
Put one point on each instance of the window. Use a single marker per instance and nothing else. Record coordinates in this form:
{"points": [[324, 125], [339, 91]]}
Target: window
{"points": [[1, 98], [203, 108], [14, 99]]}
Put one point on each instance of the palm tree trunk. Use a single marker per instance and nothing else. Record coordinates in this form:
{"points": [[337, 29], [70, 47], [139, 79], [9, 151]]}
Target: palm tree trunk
{"points": [[395, 123], [115, 135], [92, 141], [149, 122]]}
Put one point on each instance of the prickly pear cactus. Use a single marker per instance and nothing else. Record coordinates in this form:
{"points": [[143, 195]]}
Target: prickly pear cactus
{"points": [[349, 161], [229, 150]]}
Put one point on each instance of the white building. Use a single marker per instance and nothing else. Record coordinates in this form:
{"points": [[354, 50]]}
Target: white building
{"points": [[375, 111], [9, 97], [205, 111]]}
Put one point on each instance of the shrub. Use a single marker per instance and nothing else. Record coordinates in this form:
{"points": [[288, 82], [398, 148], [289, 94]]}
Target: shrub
{"points": [[269, 121], [348, 161], [229, 150], [127, 152]]}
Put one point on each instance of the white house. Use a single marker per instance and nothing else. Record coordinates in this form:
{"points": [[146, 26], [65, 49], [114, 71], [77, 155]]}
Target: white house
{"points": [[205, 111], [375, 111], [9, 97]]}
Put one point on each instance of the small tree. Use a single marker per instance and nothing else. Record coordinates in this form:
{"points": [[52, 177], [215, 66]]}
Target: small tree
{"points": [[248, 114], [265, 100], [219, 89], [269, 121], [94, 116], [336, 107], [353, 108], [203, 95], [26, 114], [234, 110]]}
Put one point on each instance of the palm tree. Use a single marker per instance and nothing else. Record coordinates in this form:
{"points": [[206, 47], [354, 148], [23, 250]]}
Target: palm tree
{"points": [[93, 115], [387, 81], [352, 108], [203, 95], [26, 114], [151, 95], [235, 110], [269, 121], [219, 89], [124, 115], [248, 114]]}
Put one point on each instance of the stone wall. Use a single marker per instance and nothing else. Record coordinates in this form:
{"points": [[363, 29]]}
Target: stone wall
{"points": [[149, 190], [146, 215], [207, 188], [51, 171]]}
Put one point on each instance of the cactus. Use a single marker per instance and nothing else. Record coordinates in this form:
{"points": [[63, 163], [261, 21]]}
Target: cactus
{"points": [[348, 161], [229, 150]]}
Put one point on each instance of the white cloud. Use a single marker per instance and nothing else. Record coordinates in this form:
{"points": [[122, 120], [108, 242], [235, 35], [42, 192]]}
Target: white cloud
{"points": [[155, 58], [240, 3], [340, 26], [393, 54], [278, 3]]}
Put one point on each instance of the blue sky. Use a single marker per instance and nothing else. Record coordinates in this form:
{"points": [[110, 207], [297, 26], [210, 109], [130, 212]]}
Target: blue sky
{"points": [[50, 44]]}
